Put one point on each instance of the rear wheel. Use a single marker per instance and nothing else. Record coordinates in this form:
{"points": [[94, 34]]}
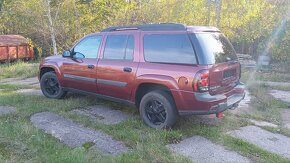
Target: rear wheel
{"points": [[50, 86], [158, 110]]}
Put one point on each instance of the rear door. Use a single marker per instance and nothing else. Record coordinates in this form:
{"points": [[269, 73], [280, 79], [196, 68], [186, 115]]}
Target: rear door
{"points": [[117, 68], [224, 72]]}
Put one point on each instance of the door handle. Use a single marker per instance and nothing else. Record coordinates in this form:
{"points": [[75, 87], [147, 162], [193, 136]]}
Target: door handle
{"points": [[91, 66], [127, 69]]}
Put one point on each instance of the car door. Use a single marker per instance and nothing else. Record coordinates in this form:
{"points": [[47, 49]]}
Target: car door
{"points": [[118, 65], [80, 71]]}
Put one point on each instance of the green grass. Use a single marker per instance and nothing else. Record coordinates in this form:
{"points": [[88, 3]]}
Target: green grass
{"points": [[267, 107], [282, 88], [18, 69], [20, 141], [40, 147], [265, 76]]}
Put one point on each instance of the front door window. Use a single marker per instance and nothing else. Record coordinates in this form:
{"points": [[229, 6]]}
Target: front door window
{"points": [[88, 48]]}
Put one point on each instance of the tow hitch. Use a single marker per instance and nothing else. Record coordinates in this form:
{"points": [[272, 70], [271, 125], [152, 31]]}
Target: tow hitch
{"points": [[219, 115]]}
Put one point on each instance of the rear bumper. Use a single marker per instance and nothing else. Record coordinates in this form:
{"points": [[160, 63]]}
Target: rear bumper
{"points": [[208, 104]]}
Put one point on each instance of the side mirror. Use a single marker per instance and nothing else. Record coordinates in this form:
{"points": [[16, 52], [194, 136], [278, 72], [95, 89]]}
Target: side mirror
{"points": [[66, 53]]}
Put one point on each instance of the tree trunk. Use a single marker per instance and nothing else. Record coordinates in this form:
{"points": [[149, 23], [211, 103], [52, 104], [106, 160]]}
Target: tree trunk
{"points": [[1, 4], [208, 12], [218, 12], [77, 16], [51, 27]]}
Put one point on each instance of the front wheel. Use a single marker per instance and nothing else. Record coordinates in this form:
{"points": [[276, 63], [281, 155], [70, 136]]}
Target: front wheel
{"points": [[50, 86], [157, 109]]}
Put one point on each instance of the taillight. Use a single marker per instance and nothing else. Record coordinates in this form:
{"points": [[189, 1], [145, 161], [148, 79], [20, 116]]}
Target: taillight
{"points": [[201, 81]]}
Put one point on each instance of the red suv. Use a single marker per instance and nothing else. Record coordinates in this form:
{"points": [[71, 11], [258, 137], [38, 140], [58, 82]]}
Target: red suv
{"points": [[165, 70]]}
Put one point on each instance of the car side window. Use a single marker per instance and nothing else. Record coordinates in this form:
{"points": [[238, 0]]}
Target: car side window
{"points": [[119, 47], [89, 47], [169, 48]]}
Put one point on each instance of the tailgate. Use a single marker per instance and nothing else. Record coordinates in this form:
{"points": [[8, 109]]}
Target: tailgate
{"points": [[223, 77]]}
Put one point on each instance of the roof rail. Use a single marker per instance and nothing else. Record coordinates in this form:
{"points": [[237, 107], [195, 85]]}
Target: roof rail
{"points": [[149, 27]]}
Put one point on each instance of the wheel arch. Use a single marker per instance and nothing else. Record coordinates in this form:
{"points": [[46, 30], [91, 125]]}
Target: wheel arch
{"points": [[144, 88], [44, 70], [50, 68]]}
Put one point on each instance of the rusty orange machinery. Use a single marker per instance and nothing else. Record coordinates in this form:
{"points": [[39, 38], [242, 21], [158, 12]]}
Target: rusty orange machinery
{"points": [[13, 47]]}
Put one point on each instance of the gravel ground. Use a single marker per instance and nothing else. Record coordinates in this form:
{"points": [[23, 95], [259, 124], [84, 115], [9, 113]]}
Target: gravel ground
{"points": [[266, 140], [15, 81], [203, 119], [263, 123], [7, 80], [246, 101], [6, 110], [273, 84], [281, 95], [75, 135], [201, 150], [37, 85], [34, 92], [286, 118], [104, 114], [244, 106]]}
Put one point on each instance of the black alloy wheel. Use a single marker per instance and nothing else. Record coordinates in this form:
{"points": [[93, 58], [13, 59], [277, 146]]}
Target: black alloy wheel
{"points": [[50, 86], [158, 110], [155, 112]]}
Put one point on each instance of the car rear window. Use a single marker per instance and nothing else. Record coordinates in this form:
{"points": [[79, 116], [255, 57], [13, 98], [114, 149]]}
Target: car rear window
{"points": [[169, 48], [215, 47]]}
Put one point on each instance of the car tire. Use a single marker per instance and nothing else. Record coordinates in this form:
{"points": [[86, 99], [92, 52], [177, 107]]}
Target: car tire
{"points": [[50, 86], [158, 110]]}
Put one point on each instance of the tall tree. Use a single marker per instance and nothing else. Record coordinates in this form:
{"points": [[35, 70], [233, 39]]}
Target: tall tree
{"points": [[47, 4], [218, 12], [208, 12], [1, 4]]}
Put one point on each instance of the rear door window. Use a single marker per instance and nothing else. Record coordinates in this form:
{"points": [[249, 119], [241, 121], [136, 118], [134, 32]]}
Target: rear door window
{"points": [[215, 47], [119, 47], [169, 48]]}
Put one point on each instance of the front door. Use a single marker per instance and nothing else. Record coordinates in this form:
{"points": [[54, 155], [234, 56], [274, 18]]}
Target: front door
{"points": [[118, 66], [80, 71]]}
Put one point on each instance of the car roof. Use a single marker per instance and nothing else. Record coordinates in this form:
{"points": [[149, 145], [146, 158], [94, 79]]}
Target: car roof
{"points": [[162, 27]]}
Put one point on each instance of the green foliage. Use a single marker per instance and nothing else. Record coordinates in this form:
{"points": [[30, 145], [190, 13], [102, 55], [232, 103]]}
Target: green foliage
{"points": [[281, 50], [21, 141], [249, 24]]}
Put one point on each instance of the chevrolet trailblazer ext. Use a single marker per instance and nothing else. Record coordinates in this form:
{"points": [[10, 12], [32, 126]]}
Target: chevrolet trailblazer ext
{"points": [[165, 70]]}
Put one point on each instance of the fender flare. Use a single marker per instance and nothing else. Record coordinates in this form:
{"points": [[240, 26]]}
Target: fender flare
{"points": [[163, 80], [56, 68]]}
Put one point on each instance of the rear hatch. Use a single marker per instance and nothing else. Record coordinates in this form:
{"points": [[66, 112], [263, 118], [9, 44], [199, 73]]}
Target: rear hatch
{"points": [[225, 70]]}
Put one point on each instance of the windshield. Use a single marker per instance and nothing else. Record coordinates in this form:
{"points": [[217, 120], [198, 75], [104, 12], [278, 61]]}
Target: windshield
{"points": [[216, 48]]}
